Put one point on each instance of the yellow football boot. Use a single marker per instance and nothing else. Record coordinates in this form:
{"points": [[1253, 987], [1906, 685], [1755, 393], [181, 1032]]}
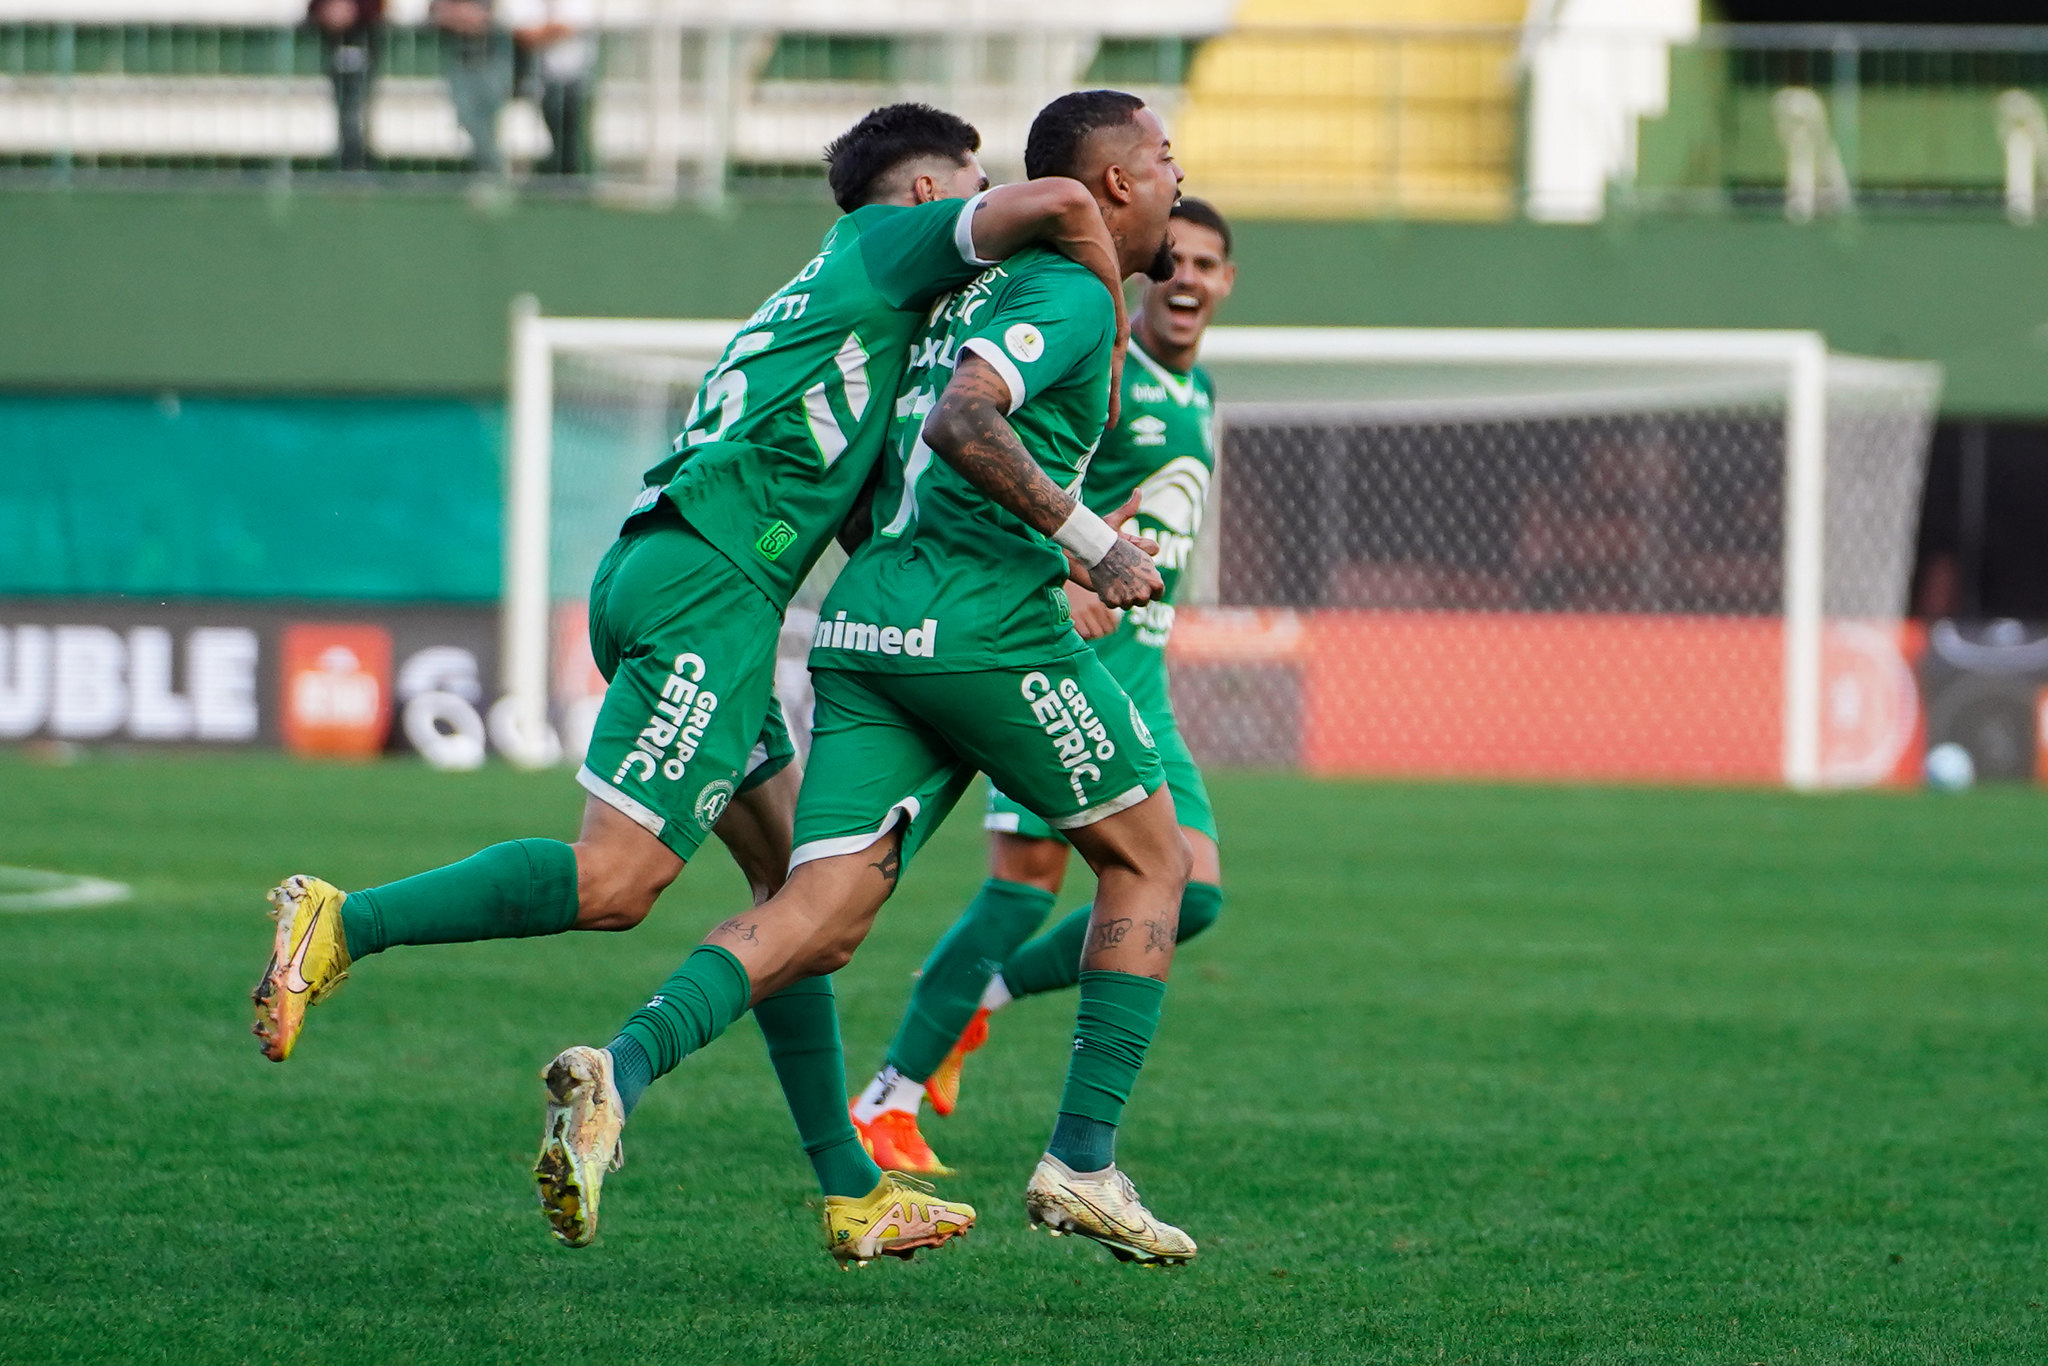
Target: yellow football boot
{"points": [[580, 1143], [892, 1139], [1103, 1206], [942, 1088], [895, 1219], [308, 960]]}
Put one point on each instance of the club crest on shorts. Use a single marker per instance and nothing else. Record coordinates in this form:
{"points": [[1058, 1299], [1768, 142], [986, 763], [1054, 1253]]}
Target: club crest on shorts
{"points": [[711, 802], [1138, 725]]}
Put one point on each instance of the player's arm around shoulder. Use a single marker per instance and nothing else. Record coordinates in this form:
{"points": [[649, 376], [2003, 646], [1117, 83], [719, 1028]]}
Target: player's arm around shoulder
{"points": [[1060, 213]]}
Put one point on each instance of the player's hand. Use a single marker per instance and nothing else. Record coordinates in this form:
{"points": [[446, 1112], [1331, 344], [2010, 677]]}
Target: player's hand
{"points": [[1116, 367], [1125, 578], [1124, 514], [1091, 618]]}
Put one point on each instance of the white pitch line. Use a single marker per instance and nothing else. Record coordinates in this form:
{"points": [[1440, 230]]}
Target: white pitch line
{"points": [[34, 889]]}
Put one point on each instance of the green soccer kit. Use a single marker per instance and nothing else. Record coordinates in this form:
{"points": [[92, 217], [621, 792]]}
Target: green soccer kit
{"points": [[1164, 446], [946, 646], [785, 430]]}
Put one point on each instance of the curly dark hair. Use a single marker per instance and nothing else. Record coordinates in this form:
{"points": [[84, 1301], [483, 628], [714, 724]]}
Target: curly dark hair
{"points": [[1054, 144], [884, 140]]}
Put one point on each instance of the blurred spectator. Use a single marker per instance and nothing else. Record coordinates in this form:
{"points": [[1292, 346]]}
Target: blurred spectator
{"points": [[349, 30], [479, 57], [558, 61]]}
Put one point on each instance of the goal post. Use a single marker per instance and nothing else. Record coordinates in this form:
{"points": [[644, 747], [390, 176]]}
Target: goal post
{"points": [[1369, 442]]}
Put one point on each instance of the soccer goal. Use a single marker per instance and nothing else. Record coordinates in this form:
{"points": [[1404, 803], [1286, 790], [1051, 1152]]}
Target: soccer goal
{"points": [[1544, 554]]}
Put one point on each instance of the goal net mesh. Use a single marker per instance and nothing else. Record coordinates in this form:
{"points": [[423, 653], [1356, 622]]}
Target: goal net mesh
{"points": [[1516, 569]]}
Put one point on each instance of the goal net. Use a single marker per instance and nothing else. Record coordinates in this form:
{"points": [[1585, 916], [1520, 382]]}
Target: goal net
{"points": [[1563, 555]]}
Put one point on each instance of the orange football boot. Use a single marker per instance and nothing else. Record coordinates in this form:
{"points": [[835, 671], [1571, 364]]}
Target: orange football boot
{"points": [[892, 1139], [943, 1086]]}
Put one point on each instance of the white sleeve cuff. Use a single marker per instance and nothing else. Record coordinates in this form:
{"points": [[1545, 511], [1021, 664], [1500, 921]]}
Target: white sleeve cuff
{"points": [[1004, 366], [963, 231]]}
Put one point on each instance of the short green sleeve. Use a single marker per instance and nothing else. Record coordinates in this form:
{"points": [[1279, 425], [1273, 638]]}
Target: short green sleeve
{"points": [[913, 255], [1046, 327]]}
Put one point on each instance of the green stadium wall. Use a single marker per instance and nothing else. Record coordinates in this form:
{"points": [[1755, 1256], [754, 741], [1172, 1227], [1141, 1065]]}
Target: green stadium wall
{"points": [[197, 388]]}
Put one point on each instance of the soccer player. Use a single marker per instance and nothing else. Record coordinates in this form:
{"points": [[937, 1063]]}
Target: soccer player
{"points": [[946, 647], [686, 606], [1164, 446]]}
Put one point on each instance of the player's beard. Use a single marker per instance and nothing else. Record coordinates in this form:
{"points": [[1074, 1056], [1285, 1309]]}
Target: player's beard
{"points": [[1161, 268]]}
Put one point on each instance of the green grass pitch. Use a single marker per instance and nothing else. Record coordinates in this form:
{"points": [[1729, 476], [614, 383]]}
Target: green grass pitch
{"points": [[1485, 1074]]}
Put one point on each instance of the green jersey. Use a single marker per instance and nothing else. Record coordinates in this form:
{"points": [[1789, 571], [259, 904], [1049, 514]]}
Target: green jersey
{"points": [[786, 427], [949, 581], [1164, 446]]}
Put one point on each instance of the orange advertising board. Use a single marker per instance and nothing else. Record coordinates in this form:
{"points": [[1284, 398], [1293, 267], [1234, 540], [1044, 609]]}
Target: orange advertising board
{"points": [[1573, 696], [335, 681]]}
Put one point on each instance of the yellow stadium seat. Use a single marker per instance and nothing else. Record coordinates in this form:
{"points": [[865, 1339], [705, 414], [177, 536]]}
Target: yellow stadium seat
{"points": [[1343, 107]]}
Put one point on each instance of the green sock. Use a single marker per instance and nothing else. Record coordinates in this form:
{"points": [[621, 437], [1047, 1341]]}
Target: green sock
{"points": [[801, 1025], [508, 891], [1001, 916], [694, 1006], [1052, 962], [1118, 1015]]}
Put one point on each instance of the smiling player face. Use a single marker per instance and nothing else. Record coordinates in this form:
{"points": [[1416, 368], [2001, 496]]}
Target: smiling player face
{"points": [[1175, 310]]}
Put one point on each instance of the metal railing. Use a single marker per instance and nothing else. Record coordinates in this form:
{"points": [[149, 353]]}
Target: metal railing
{"points": [[1812, 121], [1442, 121]]}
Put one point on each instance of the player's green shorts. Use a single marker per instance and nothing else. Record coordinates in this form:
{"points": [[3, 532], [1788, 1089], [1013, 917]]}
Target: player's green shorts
{"points": [[1141, 671], [886, 747], [1183, 778], [688, 647]]}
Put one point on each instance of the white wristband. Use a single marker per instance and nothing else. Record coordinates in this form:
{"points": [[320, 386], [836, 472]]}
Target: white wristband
{"points": [[1087, 536]]}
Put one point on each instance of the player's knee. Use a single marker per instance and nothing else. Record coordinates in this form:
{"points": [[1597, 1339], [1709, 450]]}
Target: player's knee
{"points": [[1028, 862], [1200, 906], [614, 899], [1175, 861]]}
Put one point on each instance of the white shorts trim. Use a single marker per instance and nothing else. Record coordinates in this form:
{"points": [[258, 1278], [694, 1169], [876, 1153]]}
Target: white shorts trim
{"points": [[853, 844], [758, 757], [1004, 366], [1002, 822], [642, 816], [1102, 811]]}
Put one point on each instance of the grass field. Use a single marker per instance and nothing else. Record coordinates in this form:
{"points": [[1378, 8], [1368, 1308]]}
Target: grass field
{"points": [[1465, 1074]]}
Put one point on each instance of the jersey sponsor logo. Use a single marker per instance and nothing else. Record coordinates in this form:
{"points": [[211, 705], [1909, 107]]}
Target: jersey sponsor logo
{"points": [[711, 802], [867, 637], [1148, 431], [777, 538], [1064, 713], [680, 715], [1152, 623], [963, 303], [1025, 342], [1148, 393], [941, 352]]}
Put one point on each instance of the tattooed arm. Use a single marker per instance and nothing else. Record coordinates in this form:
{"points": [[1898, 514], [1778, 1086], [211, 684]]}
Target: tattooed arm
{"points": [[970, 430]]}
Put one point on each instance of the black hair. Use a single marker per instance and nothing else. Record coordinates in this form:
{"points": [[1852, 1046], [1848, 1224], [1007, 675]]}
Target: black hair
{"points": [[884, 140], [1203, 212], [1054, 144]]}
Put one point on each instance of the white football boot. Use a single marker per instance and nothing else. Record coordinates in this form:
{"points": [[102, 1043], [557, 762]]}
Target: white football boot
{"points": [[1104, 1206], [580, 1143]]}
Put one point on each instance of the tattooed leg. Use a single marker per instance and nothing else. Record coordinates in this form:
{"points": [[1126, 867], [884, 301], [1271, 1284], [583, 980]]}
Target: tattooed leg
{"points": [[1141, 866]]}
